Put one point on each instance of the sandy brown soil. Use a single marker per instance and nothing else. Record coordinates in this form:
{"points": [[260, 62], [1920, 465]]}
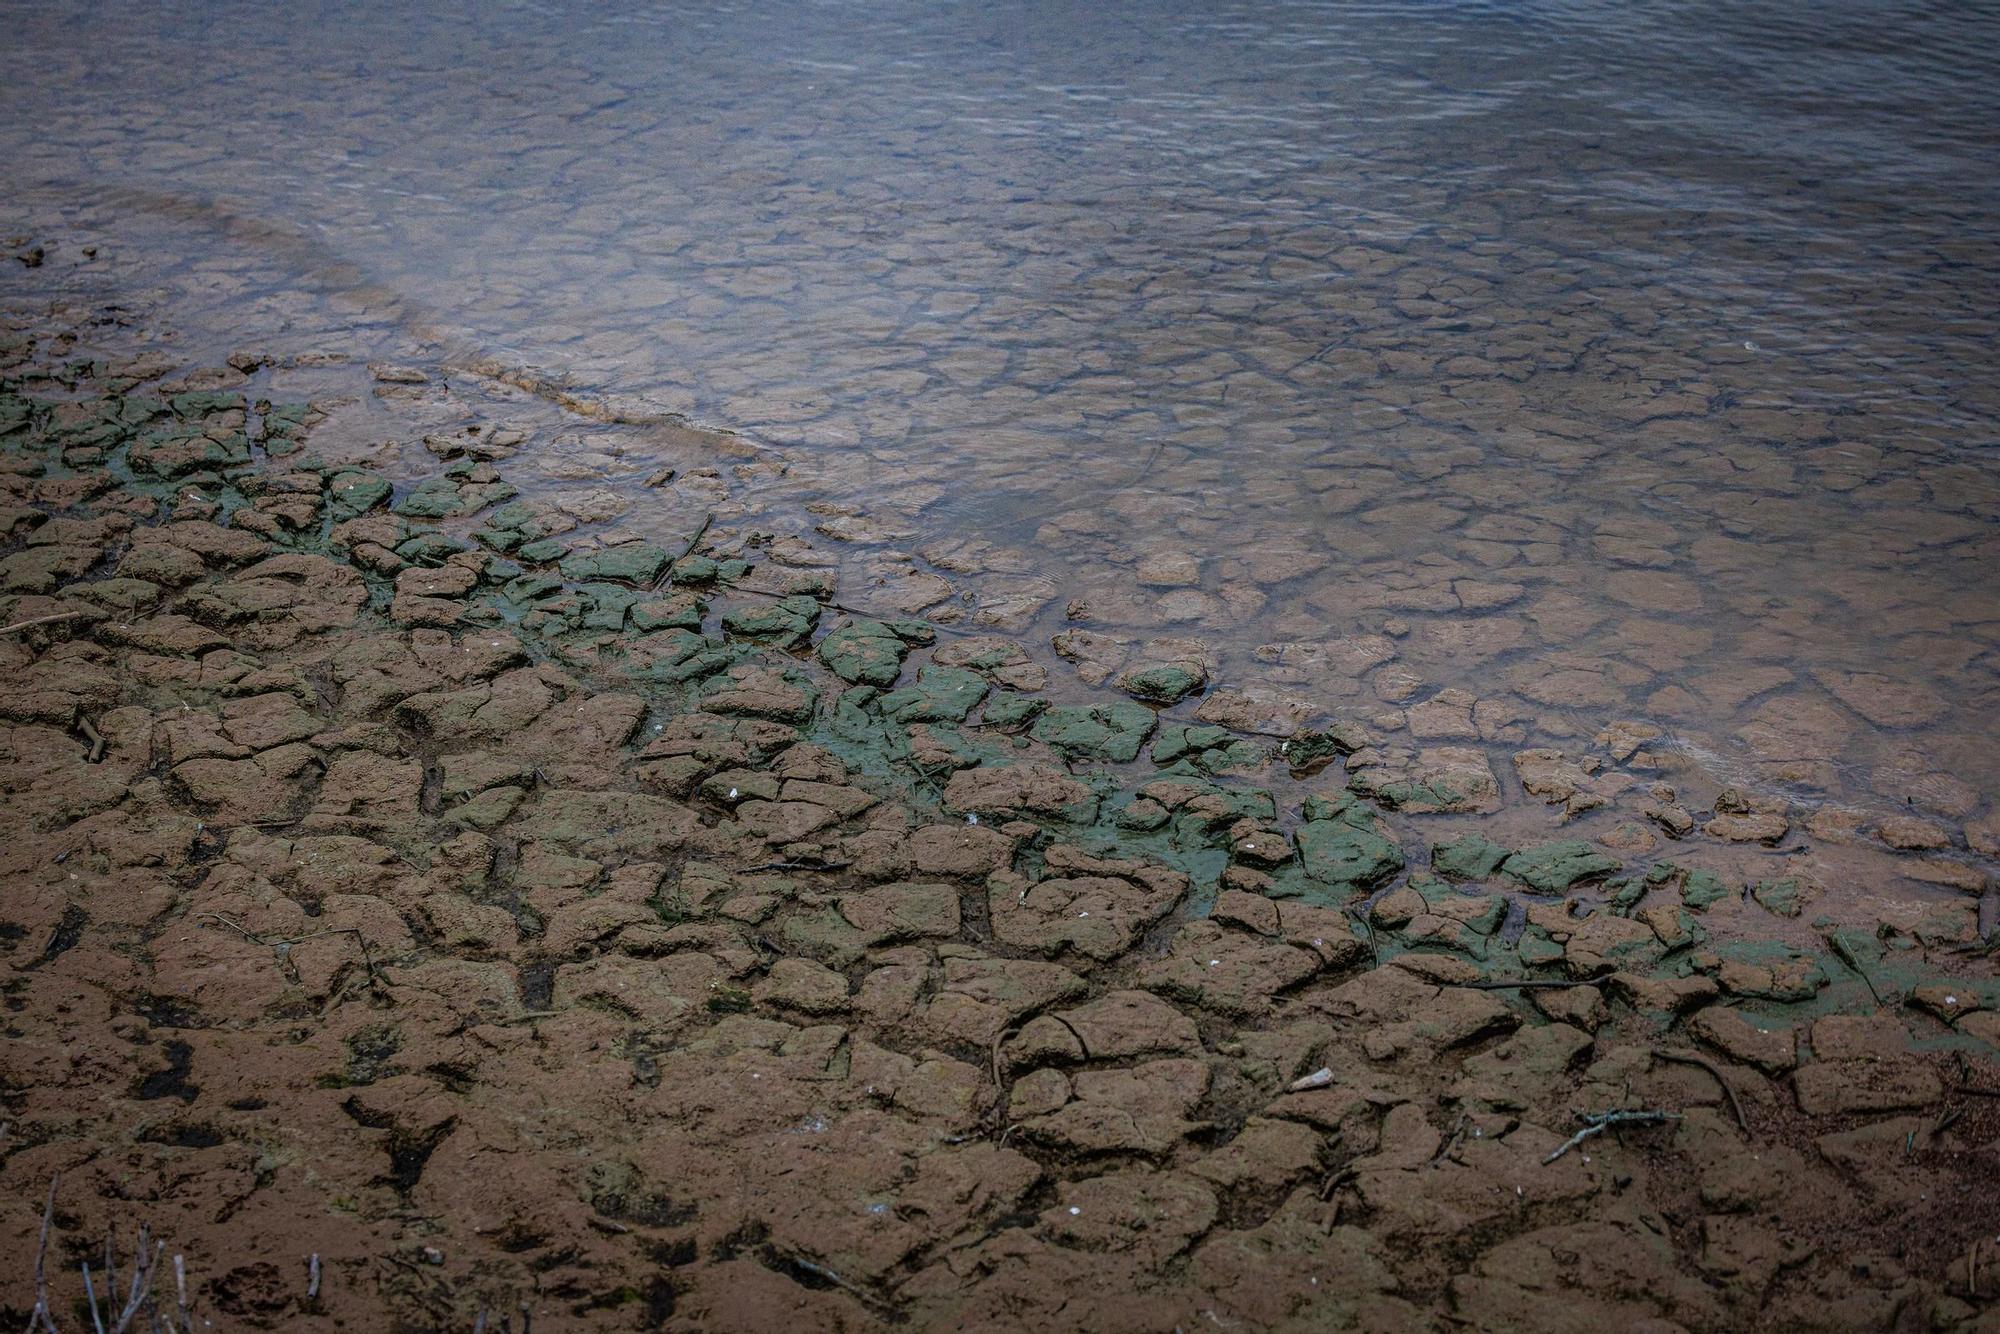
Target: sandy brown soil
{"points": [[629, 935]]}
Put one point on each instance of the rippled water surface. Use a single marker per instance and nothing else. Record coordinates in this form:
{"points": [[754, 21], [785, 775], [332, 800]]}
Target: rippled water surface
{"points": [[1596, 361]]}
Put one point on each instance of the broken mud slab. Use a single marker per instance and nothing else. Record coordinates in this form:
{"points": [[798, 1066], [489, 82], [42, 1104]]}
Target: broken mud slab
{"points": [[443, 894]]}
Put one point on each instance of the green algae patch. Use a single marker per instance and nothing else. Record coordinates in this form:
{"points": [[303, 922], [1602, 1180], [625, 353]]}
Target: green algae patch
{"points": [[628, 563], [351, 494], [1312, 750], [1112, 732], [1553, 868], [1342, 844], [1167, 684], [864, 653], [1005, 708], [1206, 749], [1785, 897], [1472, 857], [783, 623], [938, 695]]}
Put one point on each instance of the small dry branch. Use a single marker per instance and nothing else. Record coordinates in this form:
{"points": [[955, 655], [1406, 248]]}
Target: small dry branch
{"points": [[1596, 1123]]}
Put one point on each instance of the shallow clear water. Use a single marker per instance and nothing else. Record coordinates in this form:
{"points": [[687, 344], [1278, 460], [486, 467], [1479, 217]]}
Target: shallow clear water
{"points": [[1600, 361]]}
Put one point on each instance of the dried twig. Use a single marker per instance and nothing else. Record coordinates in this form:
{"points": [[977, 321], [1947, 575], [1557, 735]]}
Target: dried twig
{"points": [[794, 866], [1532, 983], [45, 620], [283, 944], [41, 1311], [1689, 1058], [1596, 1123], [1848, 957], [667, 571]]}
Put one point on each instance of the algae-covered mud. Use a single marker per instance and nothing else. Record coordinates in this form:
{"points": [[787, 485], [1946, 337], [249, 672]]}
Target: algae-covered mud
{"points": [[1002, 669], [427, 901]]}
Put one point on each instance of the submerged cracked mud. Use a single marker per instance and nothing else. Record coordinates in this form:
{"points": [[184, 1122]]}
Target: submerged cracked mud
{"points": [[432, 881]]}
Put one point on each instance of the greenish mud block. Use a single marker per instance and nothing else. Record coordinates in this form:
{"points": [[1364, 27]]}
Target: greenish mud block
{"points": [[1472, 857], [1491, 909], [1139, 814], [1112, 732], [500, 539], [678, 613], [1785, 898], [1005, 708], [1765, 970], [1313, 749], [531, 588], [676, 655], [542, 552], [1396, 793], [1537, 949], [699, 571], [432, 498], [938, 695], [607, 605], [1165, 685], [784, 622], [1701, 890], [1210, 750], [864, 653], [1624, 893], [430, 548], [201, 402], [352, 494], [1553, 868], [1341, 842], [631, 563]]}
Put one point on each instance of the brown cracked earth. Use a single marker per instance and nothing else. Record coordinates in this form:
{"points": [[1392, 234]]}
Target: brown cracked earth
{"points": [[410, 947]]}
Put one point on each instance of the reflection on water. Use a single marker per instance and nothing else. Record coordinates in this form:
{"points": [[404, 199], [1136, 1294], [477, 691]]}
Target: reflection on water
{"points": [[1594, 361]]}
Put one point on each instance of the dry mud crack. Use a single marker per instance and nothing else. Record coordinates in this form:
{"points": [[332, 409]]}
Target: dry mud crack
{"points": [[401, 876]]}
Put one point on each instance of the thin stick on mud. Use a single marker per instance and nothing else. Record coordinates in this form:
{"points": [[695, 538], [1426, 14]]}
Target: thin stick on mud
{"points": [[1596, 1123], [1702, 1062], [1847, 956], [41, 1311], [312, 1277], [859, 1294], [90, 1295], [1367, 934], [283, 943], [44, 620], [1532, 983], [667, 573]]}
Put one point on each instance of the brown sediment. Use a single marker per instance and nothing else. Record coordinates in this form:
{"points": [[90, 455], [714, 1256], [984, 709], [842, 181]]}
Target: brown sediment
{"points": [[420, 906]]}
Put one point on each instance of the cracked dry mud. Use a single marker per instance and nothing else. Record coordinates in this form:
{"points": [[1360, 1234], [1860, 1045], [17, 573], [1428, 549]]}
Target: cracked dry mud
{"points": [[420, 876]]}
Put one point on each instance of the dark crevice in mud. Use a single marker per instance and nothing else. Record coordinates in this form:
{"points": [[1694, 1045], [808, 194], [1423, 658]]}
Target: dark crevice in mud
{"points": [[68, 930], [171, 1082], [537, 981], [167, 1012], [195, 1135], [409, 1150]]}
